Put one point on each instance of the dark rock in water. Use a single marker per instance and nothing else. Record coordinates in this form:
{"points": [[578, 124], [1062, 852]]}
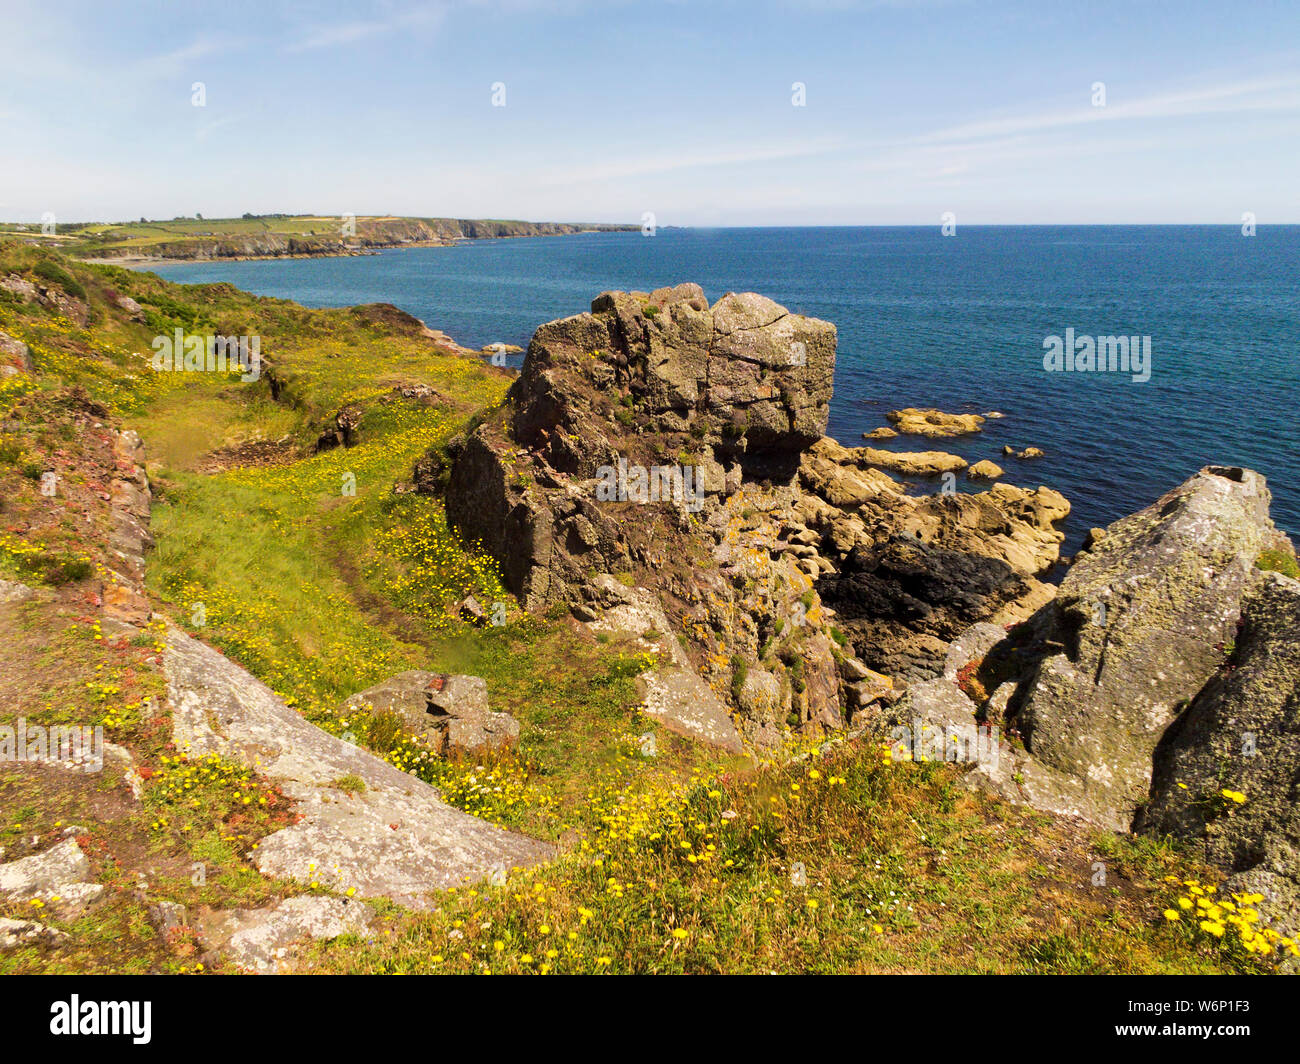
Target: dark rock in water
{"points": [[1143, 618], [1242, 734]]}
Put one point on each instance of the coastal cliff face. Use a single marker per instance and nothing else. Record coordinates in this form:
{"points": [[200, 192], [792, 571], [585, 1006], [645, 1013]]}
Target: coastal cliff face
{"points": [[794, 569], [656, 440], [370, 234]]}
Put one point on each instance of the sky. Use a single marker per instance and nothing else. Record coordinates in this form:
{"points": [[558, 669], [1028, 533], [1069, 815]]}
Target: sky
{"points": [[998, 111]]}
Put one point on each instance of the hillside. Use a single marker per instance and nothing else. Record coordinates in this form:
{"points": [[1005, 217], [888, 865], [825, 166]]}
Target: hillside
{"points": [[210, 565], [275, 236]]}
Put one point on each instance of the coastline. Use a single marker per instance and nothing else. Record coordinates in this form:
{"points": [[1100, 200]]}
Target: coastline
{"points": [[354, 251]]}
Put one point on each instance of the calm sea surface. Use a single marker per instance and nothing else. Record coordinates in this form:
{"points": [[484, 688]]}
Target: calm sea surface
{"points": [[925, 320]]}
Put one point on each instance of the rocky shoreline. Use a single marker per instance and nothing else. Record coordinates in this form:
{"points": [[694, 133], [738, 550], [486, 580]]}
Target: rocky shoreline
{"points": [[792, 587]]}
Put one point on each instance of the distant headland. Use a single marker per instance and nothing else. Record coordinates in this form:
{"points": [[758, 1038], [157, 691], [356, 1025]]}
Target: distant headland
{"points": [[188, 239]]}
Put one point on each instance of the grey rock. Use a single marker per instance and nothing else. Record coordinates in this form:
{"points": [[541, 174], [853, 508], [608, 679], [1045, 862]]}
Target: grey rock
{"points": [[458, 710], [1242, 733], [12, 591], [15, 353], [972, 645], [57, 876], [687, 705], [265, 941], [1143, 617], [15, 933], [168, 917], [405, 694], [398, 839]]}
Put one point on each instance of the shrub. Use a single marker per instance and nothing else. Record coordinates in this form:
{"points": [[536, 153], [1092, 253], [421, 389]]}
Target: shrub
{"points": [[56, 274], [1278, 561]]}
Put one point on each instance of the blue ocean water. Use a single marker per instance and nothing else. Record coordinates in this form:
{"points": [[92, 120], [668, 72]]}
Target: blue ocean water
{"points": [[925, 320]]}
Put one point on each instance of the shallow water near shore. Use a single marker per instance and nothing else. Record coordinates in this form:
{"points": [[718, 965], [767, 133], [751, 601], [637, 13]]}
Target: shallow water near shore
{"points": [[955, 322]]}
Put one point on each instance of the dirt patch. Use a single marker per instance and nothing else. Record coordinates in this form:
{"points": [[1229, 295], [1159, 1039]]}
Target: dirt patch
{"points": [[251, 454]]}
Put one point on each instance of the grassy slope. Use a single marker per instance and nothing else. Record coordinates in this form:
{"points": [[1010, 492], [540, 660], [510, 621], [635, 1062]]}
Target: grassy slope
{"points": [[683, 862]]}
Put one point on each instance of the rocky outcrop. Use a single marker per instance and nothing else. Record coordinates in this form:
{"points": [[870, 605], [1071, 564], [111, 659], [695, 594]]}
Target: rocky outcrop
{"points": [[50, 296], [773, 543], [268, 941], [15, 933], [658, 439], [450, 711], [395, 839], [1241, 734], [59, 877], [908, 463], [1139, 626], [984, 470], [130, 498], [914, 422]]}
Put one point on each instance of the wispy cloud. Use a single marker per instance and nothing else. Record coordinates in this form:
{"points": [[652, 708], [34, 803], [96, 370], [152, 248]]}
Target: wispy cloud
{"points": [[1262, 94], [334, 35]]}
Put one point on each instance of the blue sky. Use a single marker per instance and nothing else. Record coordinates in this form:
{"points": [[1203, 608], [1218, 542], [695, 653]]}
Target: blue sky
{"points": [[613, 109]]}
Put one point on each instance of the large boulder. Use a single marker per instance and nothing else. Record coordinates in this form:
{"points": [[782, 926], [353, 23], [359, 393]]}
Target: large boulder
{"points": [[1139, 625], [450, 710], [1242, 734], [396, 838]]}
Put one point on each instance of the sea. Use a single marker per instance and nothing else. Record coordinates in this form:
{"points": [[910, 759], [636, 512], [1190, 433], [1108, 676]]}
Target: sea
{"points": [[982, 320]]}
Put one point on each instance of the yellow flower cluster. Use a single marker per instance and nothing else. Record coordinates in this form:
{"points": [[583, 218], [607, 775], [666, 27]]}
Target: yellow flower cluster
{"points": [[1217, 917]]}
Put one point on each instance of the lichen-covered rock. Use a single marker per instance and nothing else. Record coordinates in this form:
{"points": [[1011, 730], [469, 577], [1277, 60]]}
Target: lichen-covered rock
{"points": [[1242, 734], [59, 877], [916, 422], [267, 941], [461, 721], [396, 839], [405, 695], [15, 933], [1140, 622], [15, 355], [677, 696]]}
